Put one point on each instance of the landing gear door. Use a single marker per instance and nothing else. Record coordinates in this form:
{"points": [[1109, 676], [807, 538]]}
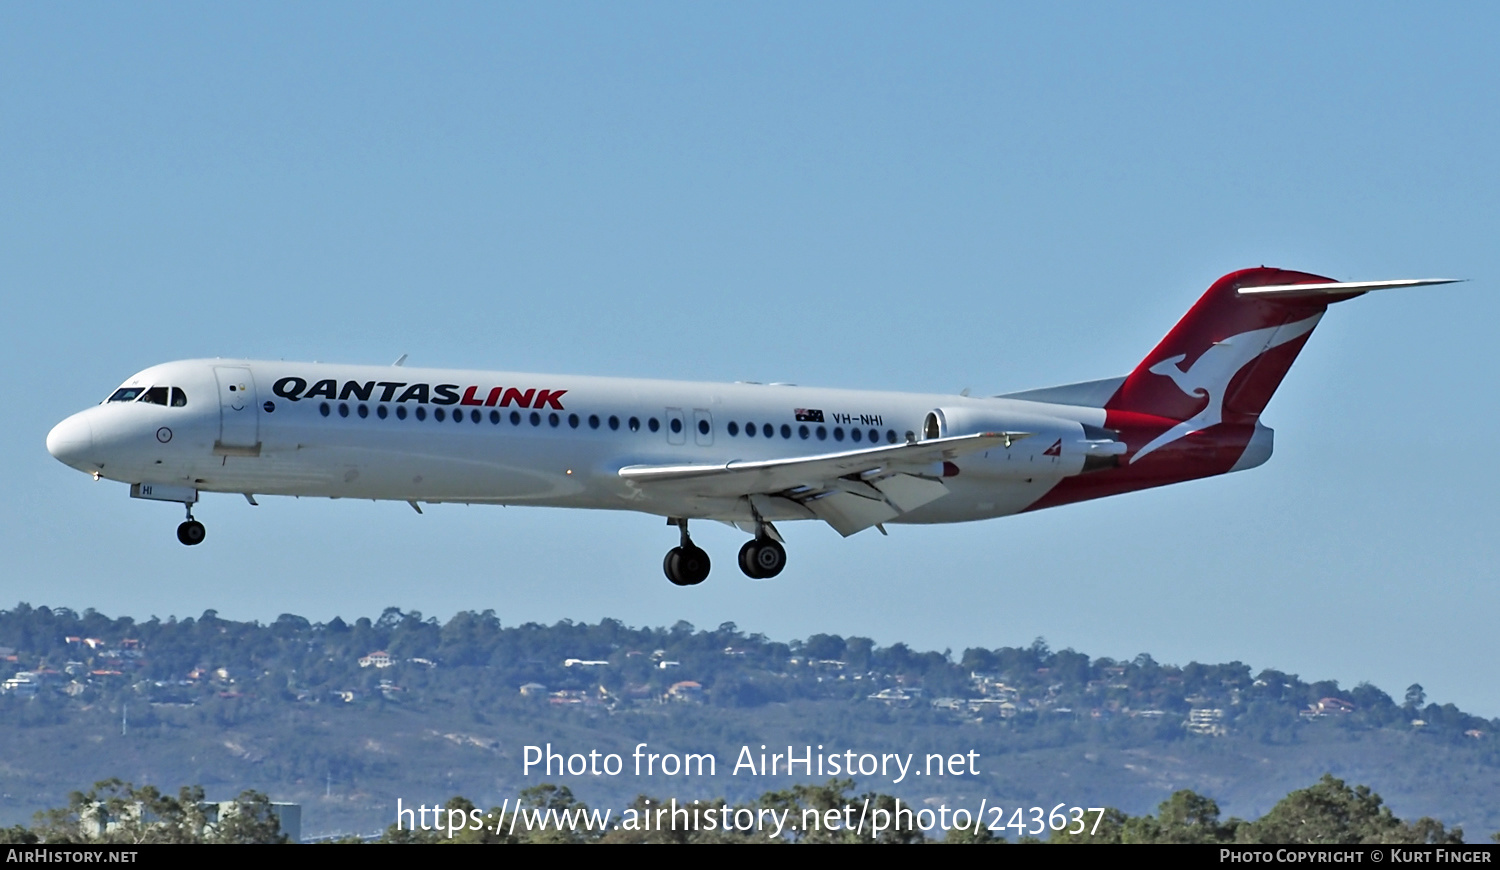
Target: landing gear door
{"points": [[239, 413]]}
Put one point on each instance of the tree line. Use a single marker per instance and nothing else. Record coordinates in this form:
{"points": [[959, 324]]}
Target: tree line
{"points": [[1330, 812]]}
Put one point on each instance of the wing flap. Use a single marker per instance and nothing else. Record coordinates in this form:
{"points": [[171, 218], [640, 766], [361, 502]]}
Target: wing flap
{"points": [[849, 513], [906, 492]]}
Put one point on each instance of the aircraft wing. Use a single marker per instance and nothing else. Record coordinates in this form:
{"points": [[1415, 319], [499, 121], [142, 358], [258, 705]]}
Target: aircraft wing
{"points": [[851, 490]]}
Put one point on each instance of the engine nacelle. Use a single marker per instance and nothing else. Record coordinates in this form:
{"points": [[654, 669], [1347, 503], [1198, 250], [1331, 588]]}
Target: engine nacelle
{"points": [[1053, 445]]}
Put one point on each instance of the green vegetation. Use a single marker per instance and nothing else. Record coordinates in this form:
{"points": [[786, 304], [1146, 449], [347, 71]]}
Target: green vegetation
{"points": [[118, 812], [1327, 813]]}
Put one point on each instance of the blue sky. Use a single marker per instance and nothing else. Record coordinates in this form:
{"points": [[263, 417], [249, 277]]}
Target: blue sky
{"points": [[982, 196]]}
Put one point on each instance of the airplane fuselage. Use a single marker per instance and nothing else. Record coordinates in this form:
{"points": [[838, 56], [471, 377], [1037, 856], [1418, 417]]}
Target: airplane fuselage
{"points": [[433, 435]]}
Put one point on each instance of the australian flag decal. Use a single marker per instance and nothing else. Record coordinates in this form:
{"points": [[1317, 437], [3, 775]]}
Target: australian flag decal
{"points": [[808, 415]]}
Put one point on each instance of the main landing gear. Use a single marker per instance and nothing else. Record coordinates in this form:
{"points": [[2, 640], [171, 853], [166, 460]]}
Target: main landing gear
{"points": [[687, 564], [191, 532], [761, 558]]}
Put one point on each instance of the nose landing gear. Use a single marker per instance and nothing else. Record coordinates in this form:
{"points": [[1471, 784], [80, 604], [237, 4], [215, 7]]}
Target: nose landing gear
{"points": [[687, 564], [191, 532]]}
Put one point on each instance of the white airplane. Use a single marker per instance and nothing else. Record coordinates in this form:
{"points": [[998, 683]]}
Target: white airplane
{"points": [[746, 454]]}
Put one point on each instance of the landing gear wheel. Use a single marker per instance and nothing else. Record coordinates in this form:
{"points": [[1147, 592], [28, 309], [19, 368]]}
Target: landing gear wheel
{"points": [[747, 559], [686, 566], [191, 533], [762, 558]]}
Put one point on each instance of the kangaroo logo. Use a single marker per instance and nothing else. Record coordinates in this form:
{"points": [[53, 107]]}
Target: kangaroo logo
{"points": [[1210, 374]]}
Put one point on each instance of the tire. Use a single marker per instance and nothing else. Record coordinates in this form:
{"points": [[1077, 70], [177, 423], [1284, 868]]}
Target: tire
{"points": [[693, 565], [191, 533], [748, 555], [770, 558], [672, 567]]}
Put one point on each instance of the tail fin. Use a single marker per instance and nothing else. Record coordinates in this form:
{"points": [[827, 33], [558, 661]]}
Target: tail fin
{"points": [[1219, 364], [1225, 358]]}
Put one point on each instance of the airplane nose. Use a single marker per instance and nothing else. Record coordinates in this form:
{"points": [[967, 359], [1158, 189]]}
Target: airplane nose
{"points": [[71, 440]]}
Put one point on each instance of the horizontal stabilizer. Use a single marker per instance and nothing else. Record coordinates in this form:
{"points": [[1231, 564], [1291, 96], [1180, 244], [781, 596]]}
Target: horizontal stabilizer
{"points": [[1337, 288], [1087, 394]]}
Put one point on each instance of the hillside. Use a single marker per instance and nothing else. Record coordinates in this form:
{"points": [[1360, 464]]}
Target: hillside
{"points": [[347, 717]]}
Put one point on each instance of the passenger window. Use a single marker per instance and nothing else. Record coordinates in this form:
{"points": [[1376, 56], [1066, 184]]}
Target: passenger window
{"points": [[614, 422], [400, 412], [786, 431], [653, 424], [635, 424], [734, 428]]}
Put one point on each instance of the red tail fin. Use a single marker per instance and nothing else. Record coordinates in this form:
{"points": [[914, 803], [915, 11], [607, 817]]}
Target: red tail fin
{"points": [[1225, 358]]}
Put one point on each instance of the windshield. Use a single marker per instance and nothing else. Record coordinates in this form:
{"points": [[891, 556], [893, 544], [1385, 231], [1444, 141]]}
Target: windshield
{"points": [[173, 396]]}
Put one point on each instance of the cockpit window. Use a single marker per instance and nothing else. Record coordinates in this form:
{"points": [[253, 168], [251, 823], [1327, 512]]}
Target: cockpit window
{"points": [[179, 398], [126, 394], [154, 396]]}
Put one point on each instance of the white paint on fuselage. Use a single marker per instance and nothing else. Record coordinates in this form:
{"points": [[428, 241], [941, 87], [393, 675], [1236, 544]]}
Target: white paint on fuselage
{"points": [[303, 453]]}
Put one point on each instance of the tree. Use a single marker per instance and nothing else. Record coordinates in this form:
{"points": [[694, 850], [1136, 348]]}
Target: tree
{"points": [[1333, 813], [1415, 696], [832, 797], [250, 819], [1188, 817], [117, 812]]}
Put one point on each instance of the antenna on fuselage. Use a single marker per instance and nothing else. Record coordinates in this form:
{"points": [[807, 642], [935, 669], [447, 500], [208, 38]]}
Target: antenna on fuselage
{"points": [[400, 360]]}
